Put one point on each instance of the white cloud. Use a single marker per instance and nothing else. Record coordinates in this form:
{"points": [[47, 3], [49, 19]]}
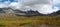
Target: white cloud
{"points": [[4, 5], [56, 1], [42, 6], [14, 5]]}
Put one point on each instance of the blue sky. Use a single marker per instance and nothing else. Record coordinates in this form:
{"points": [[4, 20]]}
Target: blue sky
{"points": [[6, 0], [42, 6], [58, 5]]}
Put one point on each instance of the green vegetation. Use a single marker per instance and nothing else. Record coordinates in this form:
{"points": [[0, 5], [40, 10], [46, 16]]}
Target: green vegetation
{"points": [[1, 25]]}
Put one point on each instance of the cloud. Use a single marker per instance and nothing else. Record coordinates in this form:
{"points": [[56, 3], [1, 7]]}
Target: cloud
{"points": [[15, 5], [4, 5], [42, 6], [45, 8], [56, 2], [33, 2], [30, 4]]}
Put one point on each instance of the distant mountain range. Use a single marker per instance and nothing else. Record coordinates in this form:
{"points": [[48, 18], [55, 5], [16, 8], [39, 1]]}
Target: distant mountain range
{"points": [[19, 12], [30, 12], [57, 13]]}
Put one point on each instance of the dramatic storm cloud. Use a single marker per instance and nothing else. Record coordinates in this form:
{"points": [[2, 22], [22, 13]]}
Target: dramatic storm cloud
{"points": [[42, 6]]}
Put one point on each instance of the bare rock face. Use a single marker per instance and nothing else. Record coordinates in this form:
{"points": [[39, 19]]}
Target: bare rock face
{"points": [[31, 12], [28, 13], [19, 12], [1, 11], [6, 12]]}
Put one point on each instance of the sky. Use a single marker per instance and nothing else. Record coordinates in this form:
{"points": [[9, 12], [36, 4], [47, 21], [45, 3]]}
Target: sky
{"points": [[42, 6]]}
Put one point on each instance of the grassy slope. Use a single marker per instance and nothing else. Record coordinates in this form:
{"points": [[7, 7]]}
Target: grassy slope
{"points": [[14, 21]]}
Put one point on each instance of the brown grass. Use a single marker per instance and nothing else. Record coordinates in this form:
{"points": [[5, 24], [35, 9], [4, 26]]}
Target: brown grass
{"points": [[14, 21]]}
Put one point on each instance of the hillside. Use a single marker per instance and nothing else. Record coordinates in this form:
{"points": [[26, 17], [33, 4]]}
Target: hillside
{"points": [[8, 11], [9, 18]]}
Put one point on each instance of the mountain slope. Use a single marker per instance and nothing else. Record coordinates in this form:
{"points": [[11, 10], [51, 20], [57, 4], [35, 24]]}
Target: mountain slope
{"points": [[9, 11], [56, 13]]}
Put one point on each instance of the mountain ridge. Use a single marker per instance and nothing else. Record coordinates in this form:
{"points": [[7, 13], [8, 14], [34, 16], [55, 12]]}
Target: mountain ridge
{"points": [[30, 12]]}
